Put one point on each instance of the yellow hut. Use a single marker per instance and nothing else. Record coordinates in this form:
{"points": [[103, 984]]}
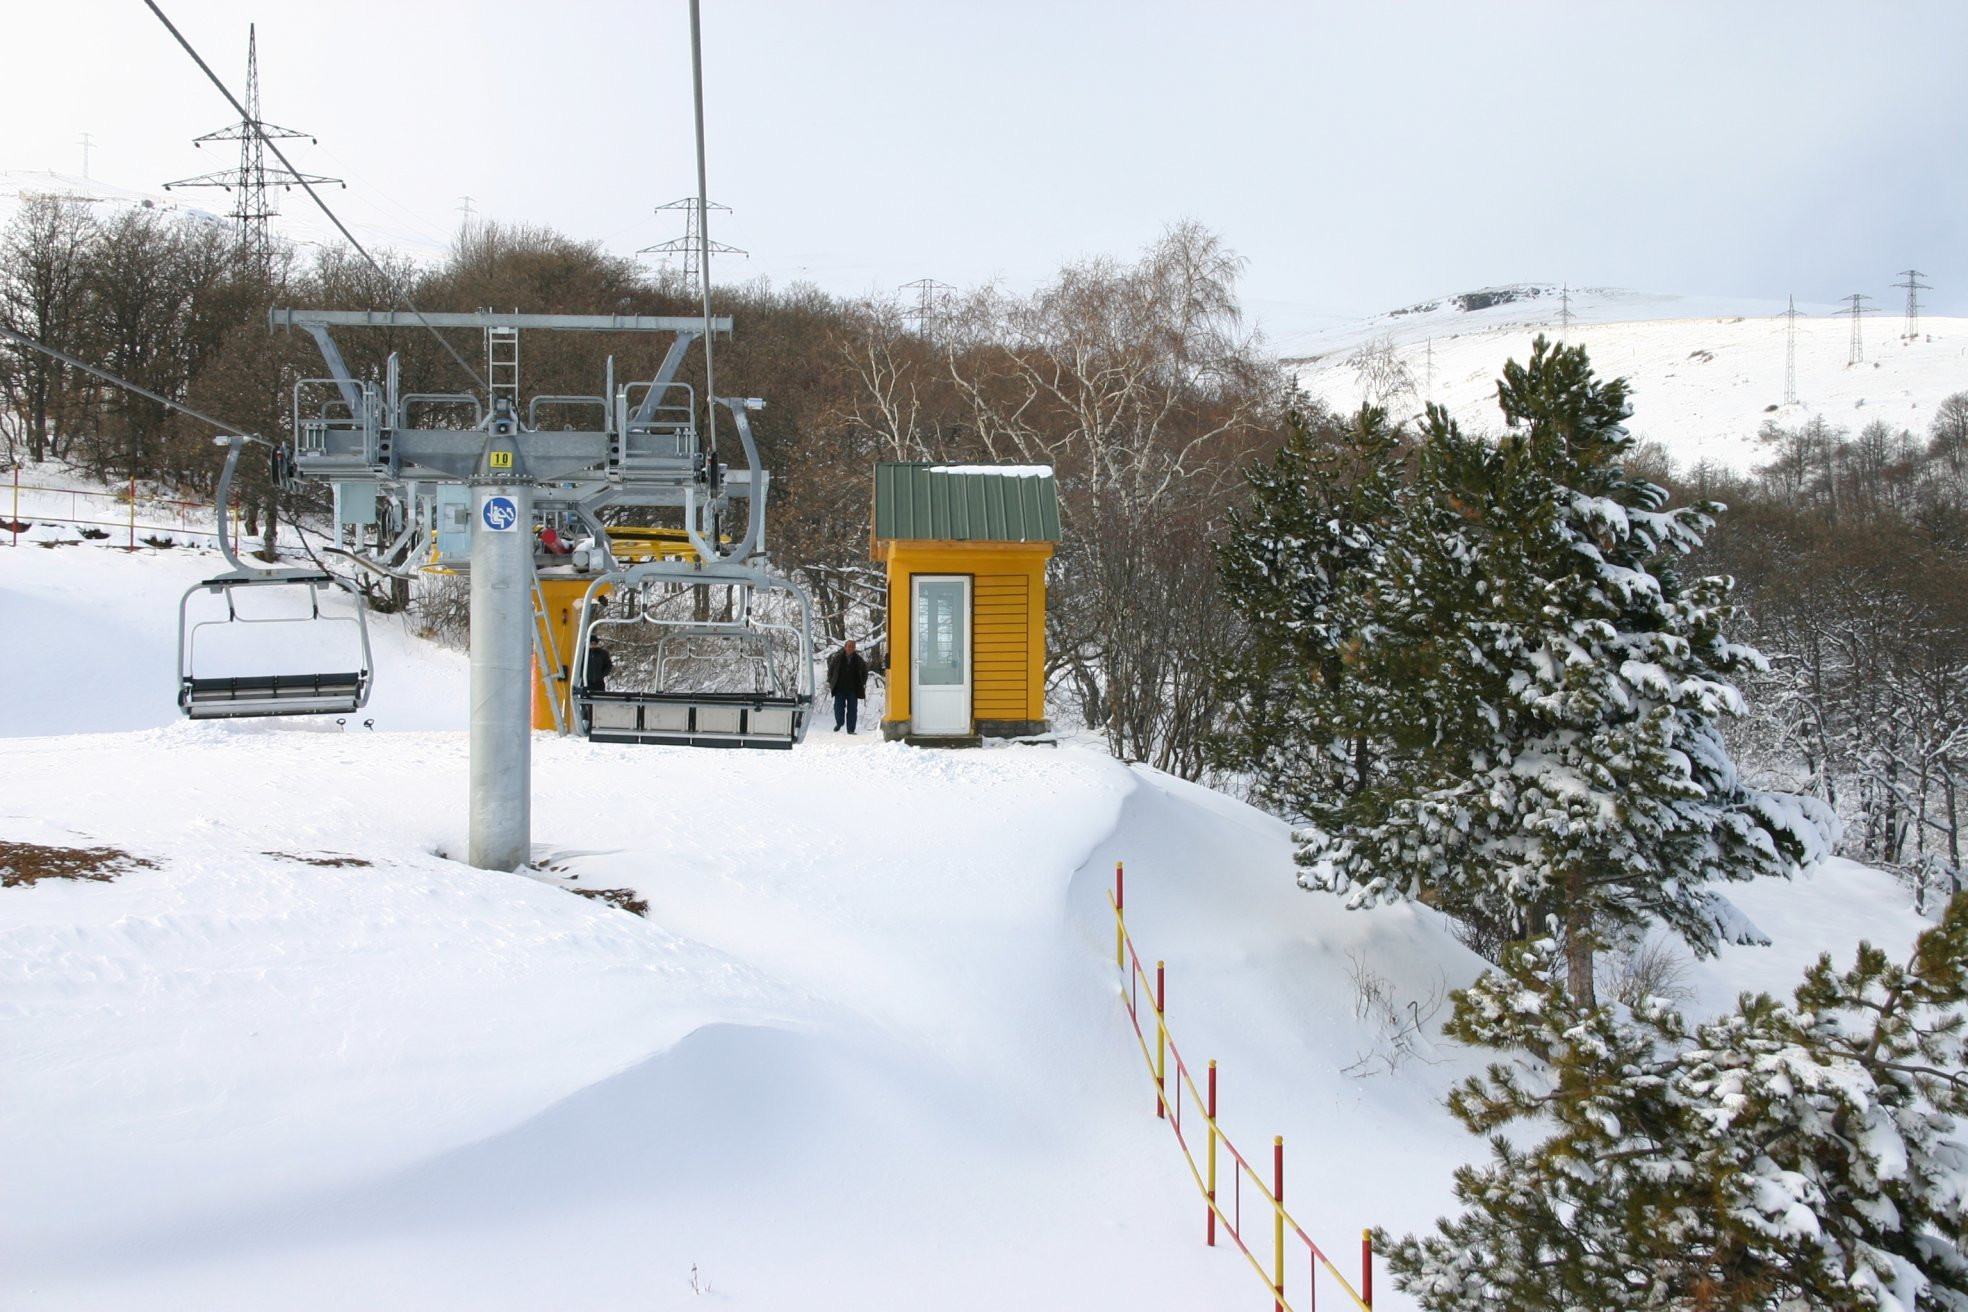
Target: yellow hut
{"points": [[966, 548]]}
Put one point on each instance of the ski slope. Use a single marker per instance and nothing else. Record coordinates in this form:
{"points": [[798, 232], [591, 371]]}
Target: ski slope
{"points": [[1706, 375], [865, 1050]]}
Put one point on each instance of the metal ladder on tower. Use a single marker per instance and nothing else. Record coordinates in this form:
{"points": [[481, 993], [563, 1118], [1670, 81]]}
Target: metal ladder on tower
{"points": [[502, 365]]}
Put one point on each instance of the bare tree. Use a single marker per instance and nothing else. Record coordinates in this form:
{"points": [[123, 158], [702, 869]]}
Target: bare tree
{"points": [[1139, 386], [43, 295]]}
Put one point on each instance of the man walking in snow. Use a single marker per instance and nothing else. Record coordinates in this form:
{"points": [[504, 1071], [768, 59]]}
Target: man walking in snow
{"points": [[847, 680]]}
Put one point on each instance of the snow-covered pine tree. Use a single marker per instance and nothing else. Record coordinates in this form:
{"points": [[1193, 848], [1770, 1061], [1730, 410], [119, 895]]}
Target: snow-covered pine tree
{"points": [[1782, 1158], [1316, 519], [1540, 689]]}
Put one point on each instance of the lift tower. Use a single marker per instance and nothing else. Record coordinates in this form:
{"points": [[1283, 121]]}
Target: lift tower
{"points": [[471, 480]]}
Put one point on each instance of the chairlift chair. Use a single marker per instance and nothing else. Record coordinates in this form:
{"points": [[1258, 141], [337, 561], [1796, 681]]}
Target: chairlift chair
{"points": [[206, 694], [658, 601]]}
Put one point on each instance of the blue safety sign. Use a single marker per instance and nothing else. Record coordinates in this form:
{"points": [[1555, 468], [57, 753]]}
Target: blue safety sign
{"points": [[501, 514]]}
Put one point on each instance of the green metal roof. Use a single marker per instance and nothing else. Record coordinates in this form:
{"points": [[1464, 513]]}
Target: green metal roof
{"points": [[965, 503]]}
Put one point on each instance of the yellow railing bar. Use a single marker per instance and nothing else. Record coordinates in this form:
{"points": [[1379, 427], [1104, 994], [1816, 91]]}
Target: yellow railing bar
{"points": [[1156, 1063]]}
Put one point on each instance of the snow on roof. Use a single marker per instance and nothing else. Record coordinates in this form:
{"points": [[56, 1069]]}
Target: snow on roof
{"points": [[1003, 471]]}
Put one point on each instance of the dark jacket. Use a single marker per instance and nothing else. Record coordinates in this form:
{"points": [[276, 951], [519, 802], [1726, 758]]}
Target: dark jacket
{"points": [[847, 673], [599, 664]]}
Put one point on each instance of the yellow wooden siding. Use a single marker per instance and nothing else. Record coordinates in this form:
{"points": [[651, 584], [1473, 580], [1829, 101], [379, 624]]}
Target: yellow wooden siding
{"points": [[1008, 622], [1001, 610]]}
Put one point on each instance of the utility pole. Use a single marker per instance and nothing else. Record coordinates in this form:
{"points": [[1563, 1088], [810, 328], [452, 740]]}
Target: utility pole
{"points": [[1857, 354], [1913, 287], [691, 245], [87, 142], [252, 205], [1428, 387], [930, 294], [1790, 353]]}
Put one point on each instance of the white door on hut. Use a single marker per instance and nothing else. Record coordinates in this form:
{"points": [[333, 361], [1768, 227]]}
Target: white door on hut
{"points": [[939, 659]]}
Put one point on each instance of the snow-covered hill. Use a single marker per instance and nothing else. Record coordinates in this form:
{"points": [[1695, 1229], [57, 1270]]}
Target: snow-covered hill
{"points": [[1706, 374], [865, 1051]]}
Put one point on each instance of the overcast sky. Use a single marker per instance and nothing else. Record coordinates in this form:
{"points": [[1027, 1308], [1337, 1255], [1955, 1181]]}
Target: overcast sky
{"points": [[1361, 156]]}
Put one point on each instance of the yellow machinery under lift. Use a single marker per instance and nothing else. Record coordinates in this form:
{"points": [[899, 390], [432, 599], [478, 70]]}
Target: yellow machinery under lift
{"points": [[557, 606]]}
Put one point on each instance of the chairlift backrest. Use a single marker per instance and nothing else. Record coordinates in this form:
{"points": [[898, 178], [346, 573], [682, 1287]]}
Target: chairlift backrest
{"points": [[224, 674], [681, 710]]}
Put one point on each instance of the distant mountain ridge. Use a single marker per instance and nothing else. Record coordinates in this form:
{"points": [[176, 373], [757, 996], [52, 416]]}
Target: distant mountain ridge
{"points": [[1707, 373]]}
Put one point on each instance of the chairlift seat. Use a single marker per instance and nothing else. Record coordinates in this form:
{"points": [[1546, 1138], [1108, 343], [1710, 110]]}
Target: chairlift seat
{"points": [[237, 696], [698, 719]]}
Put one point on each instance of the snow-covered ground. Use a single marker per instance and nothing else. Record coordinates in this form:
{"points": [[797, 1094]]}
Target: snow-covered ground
{"points": [[865, 1051], [1706, 374]]}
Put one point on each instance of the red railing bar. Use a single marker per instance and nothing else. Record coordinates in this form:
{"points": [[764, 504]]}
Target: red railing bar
{"points": [[1233, 1223]]}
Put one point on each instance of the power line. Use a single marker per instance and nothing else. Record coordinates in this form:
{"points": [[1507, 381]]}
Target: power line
{"points": [[129, 386], [930, 297], [1913, 287], [314, 195], [704, 226], [1857, 354], [250, 184], [1790, 353], [692, 244]]}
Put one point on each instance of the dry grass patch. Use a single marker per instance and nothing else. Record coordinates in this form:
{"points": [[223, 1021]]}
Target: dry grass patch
{"points": [[25, 863], [322, 859], [624, 898]]}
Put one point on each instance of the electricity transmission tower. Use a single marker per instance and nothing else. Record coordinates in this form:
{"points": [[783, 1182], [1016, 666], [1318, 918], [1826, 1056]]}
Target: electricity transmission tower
{"points": [[691, 245], [1790, 353], [930, 295], [250, 183], [87, 142], [1564, 310], [1913, 287], [1857, 354]]}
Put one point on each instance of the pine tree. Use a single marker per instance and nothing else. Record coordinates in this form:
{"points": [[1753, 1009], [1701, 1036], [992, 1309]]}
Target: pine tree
{"points": [[1530, 689], [1785, 1156], [1317, 518]]}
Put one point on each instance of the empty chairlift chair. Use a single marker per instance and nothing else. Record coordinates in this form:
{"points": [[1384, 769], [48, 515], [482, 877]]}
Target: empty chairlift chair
{"points": [[242, 662], [260, 644], [716, 655]]}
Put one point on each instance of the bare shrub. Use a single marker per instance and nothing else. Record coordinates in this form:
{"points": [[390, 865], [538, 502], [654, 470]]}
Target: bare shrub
{"points": [[1399, 1025]]}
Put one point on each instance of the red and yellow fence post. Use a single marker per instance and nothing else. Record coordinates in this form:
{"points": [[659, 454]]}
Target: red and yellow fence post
{"points": [[1212, 1153], [1120, 916], [1161, 1045], [1126, 956], [1278, 1219]]}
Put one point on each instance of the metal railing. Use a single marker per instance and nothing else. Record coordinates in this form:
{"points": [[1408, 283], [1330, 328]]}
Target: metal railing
{"points": [[87, 509], [1173, 1106]]}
